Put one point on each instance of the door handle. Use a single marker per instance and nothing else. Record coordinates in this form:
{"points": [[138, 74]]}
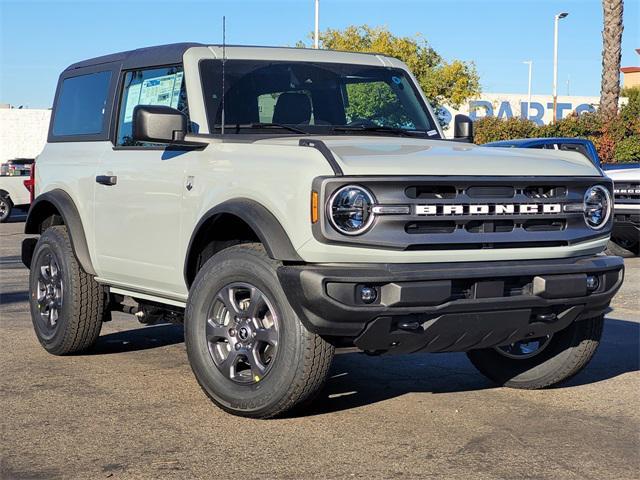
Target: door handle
{"points": [[107, 180]]}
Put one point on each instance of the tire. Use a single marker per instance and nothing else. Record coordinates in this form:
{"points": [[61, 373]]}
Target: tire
{"points": [[6, 205], [626, 250], [566, 353], [300, 362], [78, 300]]}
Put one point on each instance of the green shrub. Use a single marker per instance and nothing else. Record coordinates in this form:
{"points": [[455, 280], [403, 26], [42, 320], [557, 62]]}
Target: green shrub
{"points": [[616, 139]]}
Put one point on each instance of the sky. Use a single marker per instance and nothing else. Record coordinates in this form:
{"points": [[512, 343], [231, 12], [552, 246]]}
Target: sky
{"points": [[38, 39]]}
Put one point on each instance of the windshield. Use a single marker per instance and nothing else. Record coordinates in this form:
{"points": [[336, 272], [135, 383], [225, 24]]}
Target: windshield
{"points": [[323, 98]]}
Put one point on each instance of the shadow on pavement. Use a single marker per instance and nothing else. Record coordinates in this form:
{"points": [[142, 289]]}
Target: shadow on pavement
{"points": [[143, 338], [14, 297], [358, 380]]}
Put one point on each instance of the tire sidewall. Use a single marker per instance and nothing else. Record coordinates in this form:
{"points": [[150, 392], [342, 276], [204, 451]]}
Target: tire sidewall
{"points": [[236, 265], [51, 241], [557, 357]]}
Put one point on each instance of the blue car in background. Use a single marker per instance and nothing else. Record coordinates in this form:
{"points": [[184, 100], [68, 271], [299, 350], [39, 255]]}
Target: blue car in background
{"points": [[580, 145]]}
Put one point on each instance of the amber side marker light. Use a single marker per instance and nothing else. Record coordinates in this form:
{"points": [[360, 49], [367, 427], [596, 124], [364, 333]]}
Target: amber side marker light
{"points": [[314, 207]]}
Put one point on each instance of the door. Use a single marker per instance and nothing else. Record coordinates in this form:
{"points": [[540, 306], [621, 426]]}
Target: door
{"points": [[138, 193]]}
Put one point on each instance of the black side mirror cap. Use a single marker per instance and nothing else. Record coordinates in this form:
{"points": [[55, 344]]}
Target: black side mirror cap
{"points": [[159, 124], [463, 129]]}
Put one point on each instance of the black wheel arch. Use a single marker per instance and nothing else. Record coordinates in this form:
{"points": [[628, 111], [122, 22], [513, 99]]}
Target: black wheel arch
{"points": [[56, 207], [258, 218]]}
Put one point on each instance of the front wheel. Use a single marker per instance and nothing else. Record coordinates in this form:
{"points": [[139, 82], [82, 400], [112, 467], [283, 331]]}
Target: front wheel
{"points": [[5, 208], [247, 348], [541, 362]]}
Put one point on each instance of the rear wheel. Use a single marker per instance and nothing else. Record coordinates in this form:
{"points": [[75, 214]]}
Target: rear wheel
{"points": [[67, 304], [541, 362], [247, 348], [6, 205]]}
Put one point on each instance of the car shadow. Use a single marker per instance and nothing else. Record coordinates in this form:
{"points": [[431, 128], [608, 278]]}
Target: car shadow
{"points": [[143, 338], [357, 380]]}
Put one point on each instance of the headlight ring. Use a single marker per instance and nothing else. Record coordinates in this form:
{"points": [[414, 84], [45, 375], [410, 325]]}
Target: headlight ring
{"points": [[597, 207], [349, 210]]}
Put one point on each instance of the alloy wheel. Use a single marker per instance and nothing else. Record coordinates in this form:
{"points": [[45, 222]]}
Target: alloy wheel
{"points": [[50, 291], [242, 333], [525, 348]]}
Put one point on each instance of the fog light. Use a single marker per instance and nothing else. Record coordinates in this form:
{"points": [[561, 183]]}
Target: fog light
{"points": [[368, 294], [592, 282]]}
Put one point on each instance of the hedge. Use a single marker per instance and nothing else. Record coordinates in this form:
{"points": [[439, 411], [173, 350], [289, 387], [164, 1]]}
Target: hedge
{"points": [[616, 139]]}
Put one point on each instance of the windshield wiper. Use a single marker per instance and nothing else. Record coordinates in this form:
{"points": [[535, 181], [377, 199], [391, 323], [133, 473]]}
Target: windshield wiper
{"points": [[238, 126], [376, 128]]}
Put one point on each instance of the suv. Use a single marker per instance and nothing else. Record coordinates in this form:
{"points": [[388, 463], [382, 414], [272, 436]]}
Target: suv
{"points": [[282, 202], [625, 238]]}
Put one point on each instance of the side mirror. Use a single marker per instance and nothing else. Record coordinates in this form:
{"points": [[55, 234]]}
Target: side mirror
{"points": [[463, 129], [159, 124]]}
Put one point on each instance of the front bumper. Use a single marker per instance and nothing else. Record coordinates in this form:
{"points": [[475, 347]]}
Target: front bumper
{"points": [[452, 306]]}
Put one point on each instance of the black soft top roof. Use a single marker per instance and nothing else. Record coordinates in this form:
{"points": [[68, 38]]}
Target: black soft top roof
{"points": [[141, 57]]}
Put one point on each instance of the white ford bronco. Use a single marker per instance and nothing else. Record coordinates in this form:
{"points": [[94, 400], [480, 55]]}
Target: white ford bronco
{"points": [[283, 202]]}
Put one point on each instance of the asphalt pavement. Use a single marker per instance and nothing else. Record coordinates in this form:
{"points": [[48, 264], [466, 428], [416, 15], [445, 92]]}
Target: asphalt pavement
{"points": [[131, 408]]}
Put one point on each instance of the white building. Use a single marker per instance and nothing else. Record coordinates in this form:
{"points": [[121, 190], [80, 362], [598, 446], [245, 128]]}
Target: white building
{"points": [[23, 132]]}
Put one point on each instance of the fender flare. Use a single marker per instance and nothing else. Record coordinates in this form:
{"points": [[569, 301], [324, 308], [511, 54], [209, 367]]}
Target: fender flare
{"points": [[265, 225], [41, 208]]}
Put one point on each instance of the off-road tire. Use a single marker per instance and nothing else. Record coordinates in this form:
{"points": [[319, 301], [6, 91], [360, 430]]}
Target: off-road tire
{"points": [[83, 303], [303, 359], [6, 206], [566, 354]]}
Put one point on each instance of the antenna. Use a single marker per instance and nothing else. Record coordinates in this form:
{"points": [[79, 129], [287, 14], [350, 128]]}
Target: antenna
{"points": [[224, 59]]}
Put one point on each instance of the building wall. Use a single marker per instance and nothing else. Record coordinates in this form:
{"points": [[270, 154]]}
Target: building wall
{"points": [[631, 79], [23, 132]]}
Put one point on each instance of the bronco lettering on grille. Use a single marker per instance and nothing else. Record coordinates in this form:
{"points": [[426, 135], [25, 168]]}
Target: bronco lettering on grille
{"points": [[485, 209]]}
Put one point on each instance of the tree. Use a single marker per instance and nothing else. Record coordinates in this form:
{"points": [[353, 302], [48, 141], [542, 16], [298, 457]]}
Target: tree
{"points": [[611, 56], [443, 82]]}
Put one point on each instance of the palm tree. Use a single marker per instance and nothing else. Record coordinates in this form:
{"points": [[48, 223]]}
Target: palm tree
{"points": [[611, 56]]}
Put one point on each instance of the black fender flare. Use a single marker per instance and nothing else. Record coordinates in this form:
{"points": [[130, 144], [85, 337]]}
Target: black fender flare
{"points": [[265, 225], [41, 208]]}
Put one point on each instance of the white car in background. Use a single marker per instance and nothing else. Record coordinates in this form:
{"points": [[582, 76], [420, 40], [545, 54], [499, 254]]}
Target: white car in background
{"points": [[13, 192], [625, 238]]}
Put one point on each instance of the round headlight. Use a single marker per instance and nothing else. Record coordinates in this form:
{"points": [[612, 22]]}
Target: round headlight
{"points": [[597, 207], [349, 210]]}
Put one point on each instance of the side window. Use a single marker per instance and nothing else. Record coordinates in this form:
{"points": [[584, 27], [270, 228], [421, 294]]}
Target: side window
{"points": [[81, 105], [158, 86]]}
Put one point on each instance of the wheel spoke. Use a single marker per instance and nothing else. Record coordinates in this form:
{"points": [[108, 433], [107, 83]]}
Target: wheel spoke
{"points": [[267, 335], [256, 303], [257, 367], [228, 366], [215, 331], [228, 297]]}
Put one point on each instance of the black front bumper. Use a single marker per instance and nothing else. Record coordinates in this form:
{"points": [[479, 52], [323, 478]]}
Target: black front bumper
{"points": [[452, 306]]}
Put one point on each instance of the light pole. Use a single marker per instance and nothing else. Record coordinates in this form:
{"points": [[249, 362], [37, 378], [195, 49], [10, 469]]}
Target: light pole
{"points": [[556, 19], [316, 36], [530, 63]]}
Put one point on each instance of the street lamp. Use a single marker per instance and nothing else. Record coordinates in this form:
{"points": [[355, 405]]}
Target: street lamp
{"points": [[530, 63], [556, 19], [316, 37]]}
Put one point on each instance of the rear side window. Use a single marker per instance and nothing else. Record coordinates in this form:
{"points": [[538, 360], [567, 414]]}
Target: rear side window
{"points": [[81, 105], [157, 86]]}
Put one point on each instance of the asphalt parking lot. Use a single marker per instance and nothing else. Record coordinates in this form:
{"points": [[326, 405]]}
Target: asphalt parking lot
{"points": [[131, 408]]}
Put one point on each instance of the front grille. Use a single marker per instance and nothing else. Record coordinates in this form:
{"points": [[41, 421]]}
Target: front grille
{"points": [[463, 213], [626, 192]]}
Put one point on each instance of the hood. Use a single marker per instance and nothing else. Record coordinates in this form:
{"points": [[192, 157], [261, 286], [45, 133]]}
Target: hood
{"points": [[371, 155], [624, 174]]}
